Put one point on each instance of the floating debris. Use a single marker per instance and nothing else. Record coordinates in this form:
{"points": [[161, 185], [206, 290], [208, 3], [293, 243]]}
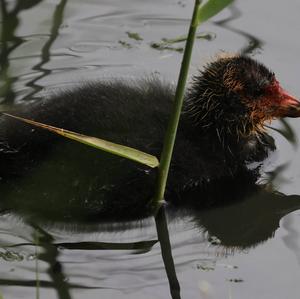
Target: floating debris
{"points": [[125, 44], [166, 43], [134, 35], [236, 280]]}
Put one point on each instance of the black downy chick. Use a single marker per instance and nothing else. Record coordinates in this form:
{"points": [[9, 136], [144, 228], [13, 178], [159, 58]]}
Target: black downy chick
{"points": [[221, 131]]}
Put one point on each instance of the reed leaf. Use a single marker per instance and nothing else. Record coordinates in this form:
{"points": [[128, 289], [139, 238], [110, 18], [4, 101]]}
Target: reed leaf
{"points": [[211, 8], [107, 146]]}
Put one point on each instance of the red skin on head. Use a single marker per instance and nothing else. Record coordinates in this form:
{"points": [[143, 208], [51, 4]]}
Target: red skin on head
{"points": [[281, 103]]}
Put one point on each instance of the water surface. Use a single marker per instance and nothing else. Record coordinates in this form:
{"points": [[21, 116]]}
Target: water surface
{"points": [[246, 250]]}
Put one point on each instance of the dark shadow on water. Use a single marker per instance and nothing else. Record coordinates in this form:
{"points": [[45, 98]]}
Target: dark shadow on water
{"points": [[10, 23], [251, 218], [45, 51], [248, 216], [286, 131], [142, 246], [9, 42], [253, 43], [50, 256], [56, 202], [166, 252], [246, 223], [43, 283]]}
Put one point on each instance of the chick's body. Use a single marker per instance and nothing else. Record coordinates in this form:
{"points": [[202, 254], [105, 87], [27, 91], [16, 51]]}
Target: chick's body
{"points": [[133, 114]]}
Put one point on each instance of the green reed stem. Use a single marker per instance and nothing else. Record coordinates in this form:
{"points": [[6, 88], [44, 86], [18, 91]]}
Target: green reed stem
{"points": [[179, 95]]}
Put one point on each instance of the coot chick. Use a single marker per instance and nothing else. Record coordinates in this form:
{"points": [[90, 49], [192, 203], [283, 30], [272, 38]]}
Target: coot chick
{"points": [[221, 131]]}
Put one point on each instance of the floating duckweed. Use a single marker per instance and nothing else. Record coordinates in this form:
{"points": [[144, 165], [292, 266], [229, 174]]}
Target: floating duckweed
{"points": [[134, 35], [166, 43], [125, 44], [11, 256]]}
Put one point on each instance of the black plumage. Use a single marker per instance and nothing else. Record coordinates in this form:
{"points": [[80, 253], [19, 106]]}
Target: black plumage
{"points": [[218, 136]]}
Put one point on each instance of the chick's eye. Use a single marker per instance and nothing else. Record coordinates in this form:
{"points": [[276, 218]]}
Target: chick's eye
{"points": [[256, 92]]}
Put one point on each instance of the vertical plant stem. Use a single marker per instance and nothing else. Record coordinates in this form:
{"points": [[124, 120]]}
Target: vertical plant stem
{"points": [[166, 252], [173, 123]]}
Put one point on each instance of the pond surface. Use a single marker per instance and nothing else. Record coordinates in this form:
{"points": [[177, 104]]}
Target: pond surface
{"points": [[250, 249]]}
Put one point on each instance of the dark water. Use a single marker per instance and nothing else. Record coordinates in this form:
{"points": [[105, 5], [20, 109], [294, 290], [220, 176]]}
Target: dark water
{"points": [[250, 249]]}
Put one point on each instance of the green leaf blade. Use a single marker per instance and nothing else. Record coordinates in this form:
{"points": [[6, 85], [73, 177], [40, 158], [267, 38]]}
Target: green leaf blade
{"points": [[210, 9], [107, 146]]}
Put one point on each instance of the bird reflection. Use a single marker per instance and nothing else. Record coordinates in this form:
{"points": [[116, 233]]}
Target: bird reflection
{"points": [[247, 222], [249, 214]]}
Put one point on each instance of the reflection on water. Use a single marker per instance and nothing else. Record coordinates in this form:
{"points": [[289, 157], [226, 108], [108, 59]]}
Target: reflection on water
{"points": [[9, 42], [248, 222], [292, 237], [253, 43], [239, 226], [45, 51], [166, 252], [141, 258], [50, 256], [286, 131]]}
